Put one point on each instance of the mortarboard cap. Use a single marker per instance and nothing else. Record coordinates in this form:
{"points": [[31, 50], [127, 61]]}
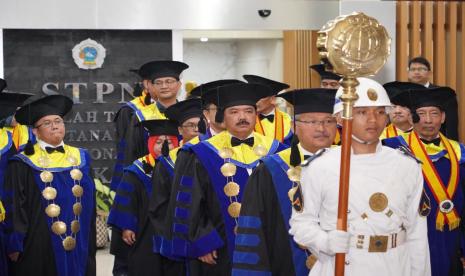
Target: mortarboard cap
{"points": [[241, 94], [311, 100], [396, 87], [185, 110], [325, 75], [161, 127], [9, 102], [414, 99], [275, 86], [207, 91], [162, 68], [38, 107]]}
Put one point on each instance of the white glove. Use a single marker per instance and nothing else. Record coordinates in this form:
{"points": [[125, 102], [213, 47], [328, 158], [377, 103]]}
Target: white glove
{"points": [[338, 242]]}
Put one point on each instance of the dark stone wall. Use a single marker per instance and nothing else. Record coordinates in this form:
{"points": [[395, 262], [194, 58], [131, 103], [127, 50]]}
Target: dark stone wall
{"points": [[40, 61]]}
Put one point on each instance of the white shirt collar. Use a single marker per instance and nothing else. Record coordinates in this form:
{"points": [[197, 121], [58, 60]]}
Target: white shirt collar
{"points": [[43, 145], [213, 132], [304, 151], [427, 84], [251, 135], [271, 113]]}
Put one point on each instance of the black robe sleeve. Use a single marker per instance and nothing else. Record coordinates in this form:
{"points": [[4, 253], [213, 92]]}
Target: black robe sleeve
{"points": [[158, 204], [122, 120], [136, 145], [30, 234], [262, 230], [450, 126], [128, 212], [194, 217]]}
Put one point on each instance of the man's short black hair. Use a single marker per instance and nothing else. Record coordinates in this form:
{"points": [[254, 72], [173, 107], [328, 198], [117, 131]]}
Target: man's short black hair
{"points": [[420, 60]]}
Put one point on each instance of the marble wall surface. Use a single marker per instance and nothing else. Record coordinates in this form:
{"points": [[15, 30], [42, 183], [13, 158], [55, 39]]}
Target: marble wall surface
{"points": [[223, 59]]}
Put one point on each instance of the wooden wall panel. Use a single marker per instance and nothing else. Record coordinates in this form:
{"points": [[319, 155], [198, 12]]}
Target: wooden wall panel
{"points": [[299, 53], [439, 38], [402, 40]]}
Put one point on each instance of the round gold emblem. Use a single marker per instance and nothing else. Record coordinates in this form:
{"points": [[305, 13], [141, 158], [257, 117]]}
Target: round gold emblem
{"points": [[231, 189], [59, 227], [43, 162], [46, 176], [226, 153], [294, 174], [69, 243], [52, 210], [234, 209], [310, 262], [260, 150], [291, 193], [72, 160], [75, 226], [228, 169], [49, 193], [76, 174], [372, 95], [77, 190], [77, 208], [378, 202]]}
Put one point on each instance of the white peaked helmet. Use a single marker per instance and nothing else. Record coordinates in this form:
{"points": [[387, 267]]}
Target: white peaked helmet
{"points": [[370, 93]]}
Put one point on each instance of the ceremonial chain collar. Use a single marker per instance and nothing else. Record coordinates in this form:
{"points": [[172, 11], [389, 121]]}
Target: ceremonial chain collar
{"points": [[53, 210], [231, 188]]}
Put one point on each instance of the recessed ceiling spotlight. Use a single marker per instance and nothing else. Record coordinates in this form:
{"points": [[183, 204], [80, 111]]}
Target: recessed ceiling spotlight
{"points": [[204, 39]]}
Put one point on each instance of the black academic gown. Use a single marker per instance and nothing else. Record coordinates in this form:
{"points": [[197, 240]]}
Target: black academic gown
{"points": [[261, 205], [38, 256], [158, 207]]}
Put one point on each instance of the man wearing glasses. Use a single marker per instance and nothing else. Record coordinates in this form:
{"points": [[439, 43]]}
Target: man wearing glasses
{"points": [[266, 201], [419, 71], [161, 81], [53, 197]]}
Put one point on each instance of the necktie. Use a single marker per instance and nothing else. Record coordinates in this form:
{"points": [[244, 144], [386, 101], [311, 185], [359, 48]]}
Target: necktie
{"points": [[236, 141], [52, 149], [268, 117], [436, 141]]}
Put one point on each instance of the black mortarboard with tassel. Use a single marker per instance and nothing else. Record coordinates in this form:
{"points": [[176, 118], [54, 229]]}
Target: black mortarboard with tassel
{"points": [[38, 107]]}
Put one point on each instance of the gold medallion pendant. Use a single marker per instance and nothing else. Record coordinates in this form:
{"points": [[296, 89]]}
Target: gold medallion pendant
{"points": [[77, 190], [77, 208], [49, 193], [260, 150], [75, 226], [46, 176], [228, 169], [53, 210], [59, 227], [234, 209], [294, 174], [76, 174], [226, 153], [231, 189], [69, 243], [378, 202]]}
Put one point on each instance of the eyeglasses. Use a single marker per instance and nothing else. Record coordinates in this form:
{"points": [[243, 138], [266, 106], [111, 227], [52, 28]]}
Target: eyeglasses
{"points": [[190, 126], [315, 123], [418, 69], [48, 124], [168, 82]]}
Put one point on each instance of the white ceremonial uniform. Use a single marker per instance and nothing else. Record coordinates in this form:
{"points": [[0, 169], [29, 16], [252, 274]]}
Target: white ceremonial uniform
{"points": [[386, 171]]}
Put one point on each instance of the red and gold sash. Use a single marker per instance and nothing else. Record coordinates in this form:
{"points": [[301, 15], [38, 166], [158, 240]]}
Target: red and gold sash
{"points": [[337, 137], [278, 126], [434, 181], [391, 131]]}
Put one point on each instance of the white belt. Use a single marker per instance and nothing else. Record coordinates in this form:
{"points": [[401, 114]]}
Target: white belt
{"points": [[380, 243]]}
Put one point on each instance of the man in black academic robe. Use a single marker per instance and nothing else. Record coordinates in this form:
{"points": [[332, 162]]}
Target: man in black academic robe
{"points": [[202, 227], [53, 223], [263, 227]]}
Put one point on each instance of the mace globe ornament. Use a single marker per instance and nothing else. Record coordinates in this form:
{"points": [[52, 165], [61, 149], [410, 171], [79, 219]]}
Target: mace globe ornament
{"points": [[354, 45]]}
